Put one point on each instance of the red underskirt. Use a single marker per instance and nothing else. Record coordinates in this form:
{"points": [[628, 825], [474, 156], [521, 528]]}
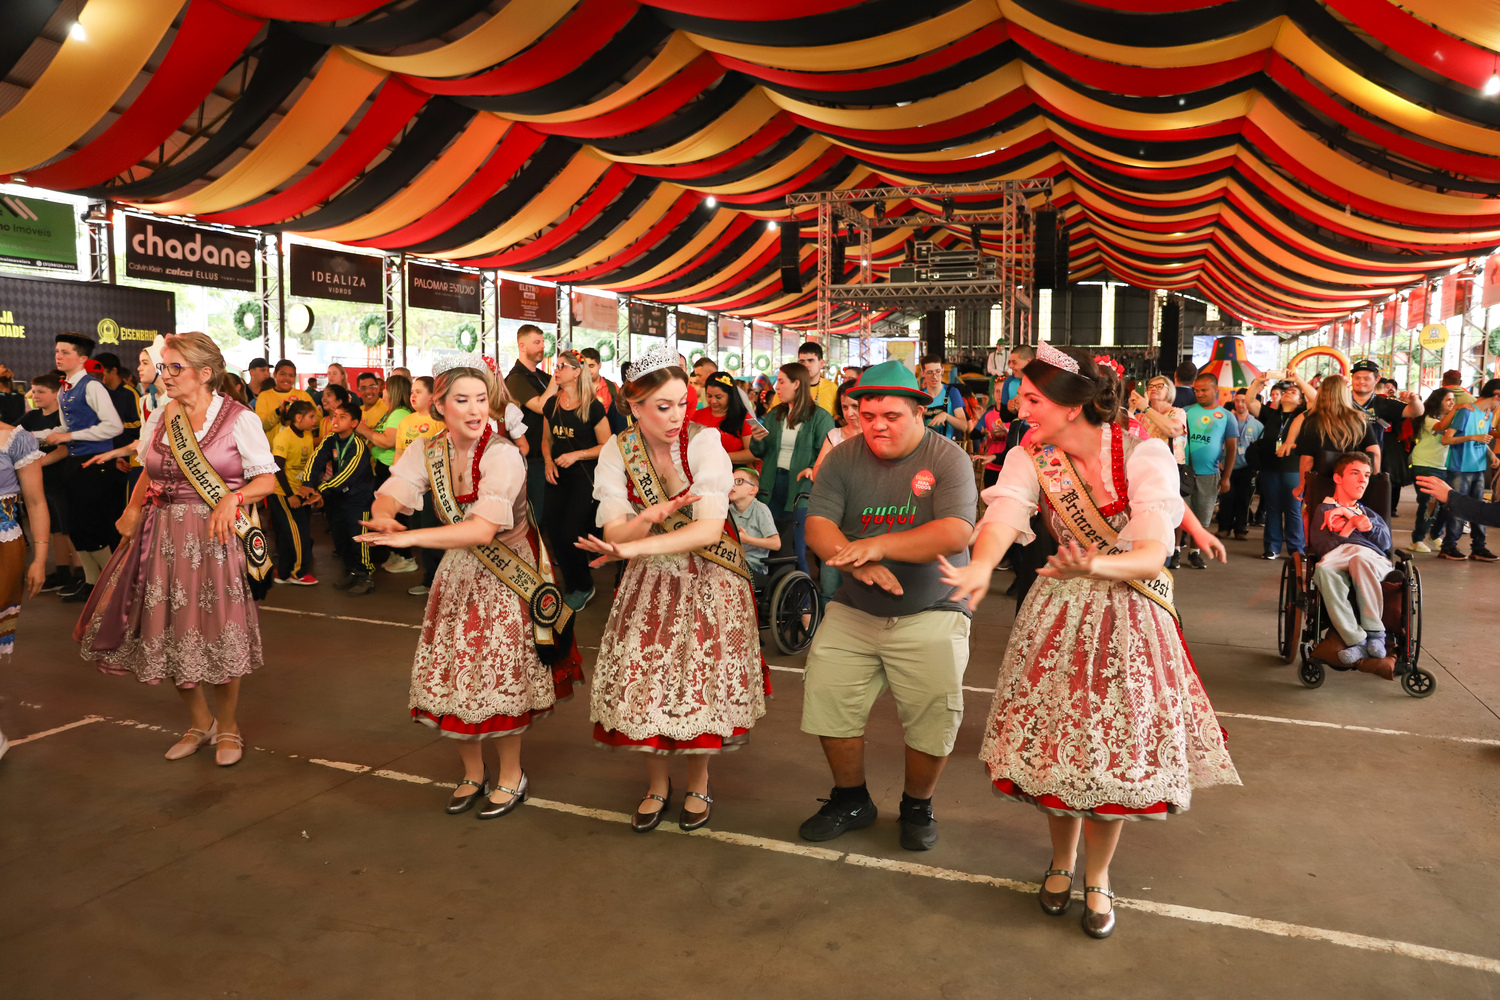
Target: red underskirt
{"points": [[708, 743], [564, 676], [1053, 804]]}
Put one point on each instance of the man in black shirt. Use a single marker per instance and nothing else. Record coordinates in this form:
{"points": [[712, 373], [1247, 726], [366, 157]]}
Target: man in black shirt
{"points": [[1386, 414], [530, 389], [127, 401]]}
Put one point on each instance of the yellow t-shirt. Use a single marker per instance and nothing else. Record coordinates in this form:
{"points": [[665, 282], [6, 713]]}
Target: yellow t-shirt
{"points": [[268, 402], [297, 450], [370, 416], [823, 394], [416, 427]]}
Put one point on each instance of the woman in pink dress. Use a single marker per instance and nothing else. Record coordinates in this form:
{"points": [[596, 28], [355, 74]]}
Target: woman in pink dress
{"points": [[1099, 715], [679, 669], [174, 603]]}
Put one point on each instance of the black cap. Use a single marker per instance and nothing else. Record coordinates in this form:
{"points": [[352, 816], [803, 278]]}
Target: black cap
{"points": [[1364, 366], [77, 340], [258, 363]]}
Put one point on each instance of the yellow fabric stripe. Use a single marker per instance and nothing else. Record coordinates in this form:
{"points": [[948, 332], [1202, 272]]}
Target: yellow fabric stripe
{"points": [[84, 79], [631, 230], [677, 53], [570, 185], [720, 222], [803, 156], [731, 128], [508, 31], [1476, 20], [430, 189], [1257, 39], [866, 52], [333, 97]]}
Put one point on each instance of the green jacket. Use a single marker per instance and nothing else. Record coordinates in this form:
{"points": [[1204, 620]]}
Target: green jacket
{"points": [[811, 434]]}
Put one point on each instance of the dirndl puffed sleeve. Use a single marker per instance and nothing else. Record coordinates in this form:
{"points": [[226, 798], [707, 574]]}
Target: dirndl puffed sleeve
{"points": [[250, 441], [1013, 498], [23, 449], [408, 481], [515, 422], [502, 478], [609, 484], [1155, 499], [713, 477]]}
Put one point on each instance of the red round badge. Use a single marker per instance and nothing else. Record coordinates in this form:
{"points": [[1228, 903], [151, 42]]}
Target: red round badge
{"points": [[923, 482]]}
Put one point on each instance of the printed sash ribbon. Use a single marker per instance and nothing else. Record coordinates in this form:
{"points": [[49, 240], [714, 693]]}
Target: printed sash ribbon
{"points": [[725, 552], [536, 586], [1063, 488], [209, 485]]}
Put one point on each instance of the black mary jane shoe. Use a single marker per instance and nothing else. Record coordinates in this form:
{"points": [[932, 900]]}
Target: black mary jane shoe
{"points": [[463, 803], [1055, 903], [1098, 925], [494, 810], [690, 821], [644, 822]]}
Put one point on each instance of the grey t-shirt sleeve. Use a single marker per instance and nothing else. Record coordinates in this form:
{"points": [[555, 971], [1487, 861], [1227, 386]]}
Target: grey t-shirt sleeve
{"points": [[829, 491], [955, 495]]}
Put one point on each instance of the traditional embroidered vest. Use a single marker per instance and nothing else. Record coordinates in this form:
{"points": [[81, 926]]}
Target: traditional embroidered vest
{"points": [[78, 415]]}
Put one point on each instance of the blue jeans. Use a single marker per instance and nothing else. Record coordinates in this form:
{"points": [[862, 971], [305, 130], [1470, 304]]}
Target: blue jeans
{"points": [[1439, 512], [1469, 484], [1283, 511], [781, 488]]}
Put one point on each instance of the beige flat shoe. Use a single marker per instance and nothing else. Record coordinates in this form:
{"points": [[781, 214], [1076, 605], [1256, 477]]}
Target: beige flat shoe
{"points": [[228, 749], [191, 741]]}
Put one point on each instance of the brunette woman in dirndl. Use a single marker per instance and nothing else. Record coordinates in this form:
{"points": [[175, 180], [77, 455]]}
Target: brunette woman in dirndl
{"points": [[477, 675], [20, 478], [174, 603], [1099, 715], [679, 669]]}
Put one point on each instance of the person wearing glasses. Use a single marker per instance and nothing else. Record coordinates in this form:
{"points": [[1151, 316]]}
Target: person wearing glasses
{"points": [[753, 520], [574, 427]]}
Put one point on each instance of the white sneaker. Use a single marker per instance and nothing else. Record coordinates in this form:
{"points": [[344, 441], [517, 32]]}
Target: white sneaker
{"points": [[418, 591], [400, 564], [1420, 547]]}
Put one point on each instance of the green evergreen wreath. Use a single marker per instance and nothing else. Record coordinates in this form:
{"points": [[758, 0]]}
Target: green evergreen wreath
{"points": [[763, 362], [467, 337], [372, 330], [549, 344], [250, 311], [606, 351], [733, 361]]}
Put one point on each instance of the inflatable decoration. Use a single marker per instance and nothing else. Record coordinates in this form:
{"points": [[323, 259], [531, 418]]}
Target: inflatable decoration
{"points": [[1230, 366], [1333, 354]]}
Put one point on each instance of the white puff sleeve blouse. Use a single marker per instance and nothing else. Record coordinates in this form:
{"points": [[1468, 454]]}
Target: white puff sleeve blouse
{"points": [[713, 478]]}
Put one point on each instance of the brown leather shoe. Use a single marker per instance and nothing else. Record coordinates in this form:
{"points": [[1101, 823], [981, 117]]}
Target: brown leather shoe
{"points": [[1095, 924], [690, 821], [644, 822], [1055, 903]]}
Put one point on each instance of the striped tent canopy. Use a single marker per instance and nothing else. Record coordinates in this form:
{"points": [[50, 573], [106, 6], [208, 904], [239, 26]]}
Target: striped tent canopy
{"points": [[1230, 365], [1290, 160]]}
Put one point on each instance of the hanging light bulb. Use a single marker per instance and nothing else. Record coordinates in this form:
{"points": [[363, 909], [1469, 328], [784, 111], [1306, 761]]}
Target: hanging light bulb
{"points": [[1492, 85], [710, 201], [76, 32]]}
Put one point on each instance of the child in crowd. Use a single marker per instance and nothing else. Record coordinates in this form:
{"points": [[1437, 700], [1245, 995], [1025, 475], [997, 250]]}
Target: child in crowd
{"points": [[46, 416], [342, 478], [752, 519], [1351, 542], [293, 446]]}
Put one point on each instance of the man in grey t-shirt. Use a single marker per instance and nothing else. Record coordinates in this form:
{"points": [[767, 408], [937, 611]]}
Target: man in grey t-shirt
{"points": [[884, 507]]}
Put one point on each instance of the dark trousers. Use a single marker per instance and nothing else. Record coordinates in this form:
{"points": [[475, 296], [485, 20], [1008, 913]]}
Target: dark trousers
{"points": [[1234, 512], [293, 536], [796, 520], [343, 525], [427, 518], [1283, 512], [536, 483], [1431, 515], [571, 509], [95, 499], [1469, 484]]}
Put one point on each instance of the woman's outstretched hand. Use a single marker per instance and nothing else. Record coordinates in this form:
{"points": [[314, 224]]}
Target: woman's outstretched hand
{"points": [[1070, 562], [607, 552], [971, 583]]}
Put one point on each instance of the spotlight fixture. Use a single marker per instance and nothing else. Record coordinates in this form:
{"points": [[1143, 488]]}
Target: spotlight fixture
{"points": [[1492, 85], [710, 201], [77, 33], [771, 225]]}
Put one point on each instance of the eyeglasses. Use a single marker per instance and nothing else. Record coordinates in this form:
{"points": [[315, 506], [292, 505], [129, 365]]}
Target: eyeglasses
{"points": [[566, 364], [173, 370], [742, 482]]}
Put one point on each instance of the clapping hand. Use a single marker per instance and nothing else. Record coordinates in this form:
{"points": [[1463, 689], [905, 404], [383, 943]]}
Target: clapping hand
{"points": [[607, 551], [1070, 562], [659, 512]]}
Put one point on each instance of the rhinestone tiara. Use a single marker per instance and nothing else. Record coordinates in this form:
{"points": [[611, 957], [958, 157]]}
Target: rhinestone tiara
{"points": [[468, 359], [1049, 355], [653, 360]]}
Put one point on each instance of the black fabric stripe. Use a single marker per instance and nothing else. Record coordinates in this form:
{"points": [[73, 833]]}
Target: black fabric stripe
{"points": [[283, 61], [702, 269], [1188, 27], [916, 89], [866, 20], [679, 237], [431, 131], [689, 120], [622, 208], [422, 20]]}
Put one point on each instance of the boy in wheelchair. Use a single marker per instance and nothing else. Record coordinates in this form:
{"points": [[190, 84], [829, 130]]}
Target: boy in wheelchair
{"points": [[1351, 542], [752, 519]]}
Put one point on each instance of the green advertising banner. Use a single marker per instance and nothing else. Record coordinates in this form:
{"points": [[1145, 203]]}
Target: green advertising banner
{"points": [[38, 233]]}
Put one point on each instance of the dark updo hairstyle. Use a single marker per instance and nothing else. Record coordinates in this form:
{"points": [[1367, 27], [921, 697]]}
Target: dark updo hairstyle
{"points": [[1095, 388]]}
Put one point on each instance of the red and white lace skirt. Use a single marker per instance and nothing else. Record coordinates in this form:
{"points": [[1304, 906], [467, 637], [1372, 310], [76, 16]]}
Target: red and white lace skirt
{"points": [[477, 674], [679, 668], [1098, 711]]}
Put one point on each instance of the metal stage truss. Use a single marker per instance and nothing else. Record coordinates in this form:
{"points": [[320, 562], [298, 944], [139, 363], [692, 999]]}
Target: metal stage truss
{"points": [[1006, 220]]}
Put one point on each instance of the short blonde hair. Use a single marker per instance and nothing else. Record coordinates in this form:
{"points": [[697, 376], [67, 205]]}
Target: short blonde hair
{"points": [[199, 351]]}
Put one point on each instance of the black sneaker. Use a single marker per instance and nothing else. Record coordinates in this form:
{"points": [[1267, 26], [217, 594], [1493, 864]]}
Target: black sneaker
{"points": [[349, 580], [837, 817], [1195, 560], [72, 586], [79, 595], [1444, 553], [1271, 556], [362, 586], [1175, 562], [1483, 555], [918, 828], [56, 580]]}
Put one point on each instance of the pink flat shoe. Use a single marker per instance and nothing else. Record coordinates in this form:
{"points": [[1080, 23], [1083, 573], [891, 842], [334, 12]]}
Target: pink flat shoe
{"points": [[191, 741], [229, 748]]}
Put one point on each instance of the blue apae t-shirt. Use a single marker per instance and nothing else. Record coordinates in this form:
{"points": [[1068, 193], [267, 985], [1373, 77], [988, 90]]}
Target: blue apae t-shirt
{"points": [[1471, 455], [1207, 428]]}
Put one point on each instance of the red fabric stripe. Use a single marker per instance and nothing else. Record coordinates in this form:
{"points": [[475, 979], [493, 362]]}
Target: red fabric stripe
{"points": [[987, 37], [765, 137], [304, 10], [1137, 80], [730, 233], [562, 50], [680, 210], [794, 183], [519, 143], [753, 10], [204, 48], [615, 179], [684, 85], [392, 108], [610, 738], [1419, 41]]}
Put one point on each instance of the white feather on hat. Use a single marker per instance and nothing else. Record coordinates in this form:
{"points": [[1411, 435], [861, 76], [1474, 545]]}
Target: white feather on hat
{"points": [[154, 351]]}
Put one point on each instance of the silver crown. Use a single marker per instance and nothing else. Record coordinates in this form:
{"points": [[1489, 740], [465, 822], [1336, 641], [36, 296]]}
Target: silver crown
{"points": [[468, 359], [653, 360], [1049, 355]]}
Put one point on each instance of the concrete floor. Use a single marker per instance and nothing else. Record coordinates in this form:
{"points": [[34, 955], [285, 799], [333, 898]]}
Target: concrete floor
{"points": [[1354, 862]]}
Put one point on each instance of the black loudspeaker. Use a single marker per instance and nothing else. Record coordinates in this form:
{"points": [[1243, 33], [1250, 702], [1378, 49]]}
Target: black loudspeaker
{"points": [[976, 238], [790, 259], [1044, 267], [1170, 339], [1064, 245], [836, 261]]}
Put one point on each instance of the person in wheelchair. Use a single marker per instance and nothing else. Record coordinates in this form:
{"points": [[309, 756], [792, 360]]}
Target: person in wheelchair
{"points": [[1351, 542], [752, 519]]}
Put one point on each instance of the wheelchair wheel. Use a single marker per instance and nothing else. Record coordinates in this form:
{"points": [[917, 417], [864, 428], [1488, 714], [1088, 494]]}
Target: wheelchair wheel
{"points": [[795, 612], [1311, 673], [1418, 683], [1289, 613], [1412, 612]]}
